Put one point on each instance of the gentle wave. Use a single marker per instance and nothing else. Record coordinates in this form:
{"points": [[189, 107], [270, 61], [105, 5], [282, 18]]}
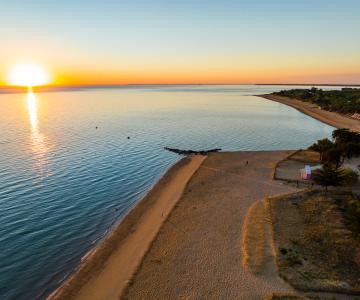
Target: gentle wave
{"points": [[64, 183]]}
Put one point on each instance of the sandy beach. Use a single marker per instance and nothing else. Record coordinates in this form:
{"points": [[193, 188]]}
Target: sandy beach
{"points": [[331, 118], [199, 253], [147, 149], [201, 232], [184, 239], [106, 271]]}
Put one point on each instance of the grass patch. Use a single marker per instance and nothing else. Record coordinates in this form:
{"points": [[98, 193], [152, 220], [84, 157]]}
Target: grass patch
{"points": [[317, 240], [254, 237]]}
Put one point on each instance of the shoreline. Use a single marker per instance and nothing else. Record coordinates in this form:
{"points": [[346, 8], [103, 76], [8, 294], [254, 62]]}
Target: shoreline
{"points": [[200, 232], [113, 262], [218, 242], [331, 118], [107, 271]]}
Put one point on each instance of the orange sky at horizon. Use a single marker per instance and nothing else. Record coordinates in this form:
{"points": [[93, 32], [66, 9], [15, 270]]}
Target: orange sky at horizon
{"points": [[237, 42], [260, 66], [200, 74]]}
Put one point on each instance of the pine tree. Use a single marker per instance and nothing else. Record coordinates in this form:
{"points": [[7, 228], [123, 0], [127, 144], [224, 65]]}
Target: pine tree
{"points": [[329, 176]]}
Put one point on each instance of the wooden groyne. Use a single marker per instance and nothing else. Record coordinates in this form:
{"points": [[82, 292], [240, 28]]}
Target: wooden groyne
{"points": [[192, 152]]}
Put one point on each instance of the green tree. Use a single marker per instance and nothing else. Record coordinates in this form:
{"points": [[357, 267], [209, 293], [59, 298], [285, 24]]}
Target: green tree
{"points": [[322, 146], [329, 175], [333, 156], [350, 177], [351, 150], [346, 101], [344, 136], [348, 142]]}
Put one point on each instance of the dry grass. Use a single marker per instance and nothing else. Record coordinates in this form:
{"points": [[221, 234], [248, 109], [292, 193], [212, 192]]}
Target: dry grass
{"points": [[307, 156], [315, 246], [254, 240], [281, 296]]}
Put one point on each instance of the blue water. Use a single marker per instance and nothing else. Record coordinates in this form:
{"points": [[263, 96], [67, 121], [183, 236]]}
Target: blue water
{"points": [[64, 182]]}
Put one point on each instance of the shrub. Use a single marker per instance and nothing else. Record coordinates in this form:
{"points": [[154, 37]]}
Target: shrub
{"points": [[322, 146], [350, 177], [329, 176]]}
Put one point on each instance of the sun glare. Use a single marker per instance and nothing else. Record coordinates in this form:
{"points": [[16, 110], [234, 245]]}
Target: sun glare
{"points": [[28, 75]]}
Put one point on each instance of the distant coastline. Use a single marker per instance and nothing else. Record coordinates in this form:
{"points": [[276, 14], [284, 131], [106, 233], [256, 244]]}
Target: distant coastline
{"points": [[331, 118], [49, 89], [308, 84]]}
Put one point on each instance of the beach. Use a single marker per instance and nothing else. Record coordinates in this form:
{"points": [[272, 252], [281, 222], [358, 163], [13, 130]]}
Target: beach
{"points": [[86, 180], [200, 232], [203, 256], [106, 271], [196, 251], [331, 118], [142, 146]]}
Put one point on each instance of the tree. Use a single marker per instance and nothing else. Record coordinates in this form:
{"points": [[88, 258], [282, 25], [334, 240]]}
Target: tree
{"points": [[348, 142], [329, 175], [334, 156], [351, 149], [344, 136], [322, 146], [350, 177], [345, 101]]}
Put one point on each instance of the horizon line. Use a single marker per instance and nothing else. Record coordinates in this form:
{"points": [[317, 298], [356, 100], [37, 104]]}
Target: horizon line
{"points": [[49, 88]]}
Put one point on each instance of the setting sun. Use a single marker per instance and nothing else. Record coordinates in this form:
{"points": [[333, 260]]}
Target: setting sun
{"points": [[28, 75]]}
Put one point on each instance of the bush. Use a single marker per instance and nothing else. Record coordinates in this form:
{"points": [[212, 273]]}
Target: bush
{"points": [[329, 176], [322, 146], [345, 144], [350, 177], [333, 156]]}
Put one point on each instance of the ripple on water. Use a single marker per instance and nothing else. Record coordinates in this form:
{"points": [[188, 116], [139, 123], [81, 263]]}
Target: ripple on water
{"points": [[63, 186]]}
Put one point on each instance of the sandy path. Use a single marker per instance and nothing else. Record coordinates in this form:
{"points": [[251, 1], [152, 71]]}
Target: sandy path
{"points": [[331, 118], [107, 271], [198, 253], [257, 241]]}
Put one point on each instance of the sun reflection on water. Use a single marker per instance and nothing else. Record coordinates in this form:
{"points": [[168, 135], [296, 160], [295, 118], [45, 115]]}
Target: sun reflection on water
{"points": [[32, 109], [38, 142]]}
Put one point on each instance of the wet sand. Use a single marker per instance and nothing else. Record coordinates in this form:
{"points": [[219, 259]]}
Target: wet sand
{"points": [[108, 269], [331, 118], [199, 251]]}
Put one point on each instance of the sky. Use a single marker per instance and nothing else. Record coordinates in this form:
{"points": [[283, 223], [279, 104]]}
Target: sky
{"points": [[164, 42]]}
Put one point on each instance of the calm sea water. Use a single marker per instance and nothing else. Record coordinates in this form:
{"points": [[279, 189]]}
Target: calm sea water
{"points": [[68, 170]]}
